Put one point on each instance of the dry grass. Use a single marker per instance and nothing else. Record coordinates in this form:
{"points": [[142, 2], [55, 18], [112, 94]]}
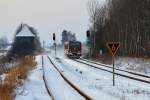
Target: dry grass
{"points": [[14, 77], [147, 58]]}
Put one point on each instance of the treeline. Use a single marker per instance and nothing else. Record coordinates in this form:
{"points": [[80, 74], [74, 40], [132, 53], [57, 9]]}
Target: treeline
{"points": [[68, 36], [3, 42], [124, 21]]}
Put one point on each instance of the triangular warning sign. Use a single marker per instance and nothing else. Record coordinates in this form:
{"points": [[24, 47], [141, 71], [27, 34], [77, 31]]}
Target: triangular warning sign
{"points": [[113, 47]]}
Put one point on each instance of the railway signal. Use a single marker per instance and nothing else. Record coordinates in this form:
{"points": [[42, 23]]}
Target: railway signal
{"points": [[54, 39], [88, 34], [54, 36], [113, 47]]}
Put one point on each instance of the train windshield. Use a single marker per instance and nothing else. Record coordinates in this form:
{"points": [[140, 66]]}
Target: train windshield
{"points": [[75, 45]]}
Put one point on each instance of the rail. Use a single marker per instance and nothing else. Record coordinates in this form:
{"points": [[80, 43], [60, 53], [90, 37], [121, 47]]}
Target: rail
{"points": [[87, 97], [123, 75]]}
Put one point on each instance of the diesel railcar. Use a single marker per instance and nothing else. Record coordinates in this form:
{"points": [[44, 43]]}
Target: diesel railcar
{"points": [[73, 49]]}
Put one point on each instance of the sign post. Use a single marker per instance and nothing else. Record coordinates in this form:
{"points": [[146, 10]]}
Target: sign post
{"points": [[113, 70], [113, 47]]}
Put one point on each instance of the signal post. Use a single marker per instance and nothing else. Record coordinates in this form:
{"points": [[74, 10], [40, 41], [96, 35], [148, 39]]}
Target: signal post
{"points": [[88, 34], [54, 39]]}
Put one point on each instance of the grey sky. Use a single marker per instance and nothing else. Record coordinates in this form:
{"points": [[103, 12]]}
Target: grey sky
{"points": [[47, 16]]}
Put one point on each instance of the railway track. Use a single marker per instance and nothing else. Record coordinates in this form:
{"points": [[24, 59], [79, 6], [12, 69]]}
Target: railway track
{"points": [[119, 72], [48, 91], [77, 89], [46, 86], [109, 66]]}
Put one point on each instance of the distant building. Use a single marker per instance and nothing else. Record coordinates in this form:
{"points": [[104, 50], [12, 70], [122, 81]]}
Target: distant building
{"points": [[25, 42]]}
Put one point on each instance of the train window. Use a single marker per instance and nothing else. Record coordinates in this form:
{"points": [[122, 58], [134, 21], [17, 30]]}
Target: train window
{"points": [[66, 46], [75, 45]]}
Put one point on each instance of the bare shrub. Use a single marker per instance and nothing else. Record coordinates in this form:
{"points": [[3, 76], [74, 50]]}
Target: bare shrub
{"points": [[14, 77]]}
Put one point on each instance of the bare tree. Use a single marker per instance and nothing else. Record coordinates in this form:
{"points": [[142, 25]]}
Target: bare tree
{"points": [[93, 7], [126, 21]]}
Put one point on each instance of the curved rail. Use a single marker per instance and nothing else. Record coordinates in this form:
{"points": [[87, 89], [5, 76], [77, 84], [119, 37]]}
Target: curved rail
{"points": [[87, 97], [48, 91], [46, 86]]}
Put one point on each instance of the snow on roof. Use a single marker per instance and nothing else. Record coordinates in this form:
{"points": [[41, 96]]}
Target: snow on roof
{"points": [[25, 32]]}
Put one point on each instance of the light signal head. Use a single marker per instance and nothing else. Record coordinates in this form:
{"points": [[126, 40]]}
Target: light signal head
{"points": [[54, 36], [88, 33]]}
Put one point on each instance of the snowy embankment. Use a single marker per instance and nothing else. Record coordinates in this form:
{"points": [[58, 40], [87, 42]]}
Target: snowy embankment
{"points": [[98, 84], [33, 87], [1, 54], [77, 77], [60, 89], [109, 68], [134, 64]]}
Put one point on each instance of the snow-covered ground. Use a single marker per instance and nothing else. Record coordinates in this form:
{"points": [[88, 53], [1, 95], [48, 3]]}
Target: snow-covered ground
{"points": [[134, 64], [109, 68], [56, 84], [98, 84], [1, 54], [33, 87]]}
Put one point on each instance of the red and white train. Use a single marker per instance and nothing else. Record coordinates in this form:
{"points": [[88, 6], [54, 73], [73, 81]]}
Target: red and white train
{"points": [[73, 49]]}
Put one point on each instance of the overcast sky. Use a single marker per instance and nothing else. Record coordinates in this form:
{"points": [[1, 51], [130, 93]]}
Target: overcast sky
{"points": [[47, 16]]}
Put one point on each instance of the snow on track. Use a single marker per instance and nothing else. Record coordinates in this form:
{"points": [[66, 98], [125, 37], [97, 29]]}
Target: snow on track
{"points": [[57, 85], [110, 66], [98, 83], [78, 79], [147, 80]]}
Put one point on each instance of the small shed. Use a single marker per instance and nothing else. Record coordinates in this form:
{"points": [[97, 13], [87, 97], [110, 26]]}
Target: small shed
{"points": [[24, 42]]}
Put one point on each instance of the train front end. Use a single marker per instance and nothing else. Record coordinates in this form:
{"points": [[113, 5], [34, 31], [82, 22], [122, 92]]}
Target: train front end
{"points": [[73, 49]]}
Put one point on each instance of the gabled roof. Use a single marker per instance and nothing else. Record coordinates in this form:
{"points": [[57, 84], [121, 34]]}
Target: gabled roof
{"points": [[25, 32]]}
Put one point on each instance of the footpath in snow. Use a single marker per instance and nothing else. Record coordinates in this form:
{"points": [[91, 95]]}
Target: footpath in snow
{"points": [[34, 87]]}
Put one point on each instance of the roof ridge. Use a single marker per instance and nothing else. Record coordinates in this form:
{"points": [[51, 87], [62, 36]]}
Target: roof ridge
{"points": [[25, 31]]}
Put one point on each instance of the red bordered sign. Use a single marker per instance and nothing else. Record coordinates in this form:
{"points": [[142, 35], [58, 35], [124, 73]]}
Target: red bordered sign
{"points": [[113, 47]]}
